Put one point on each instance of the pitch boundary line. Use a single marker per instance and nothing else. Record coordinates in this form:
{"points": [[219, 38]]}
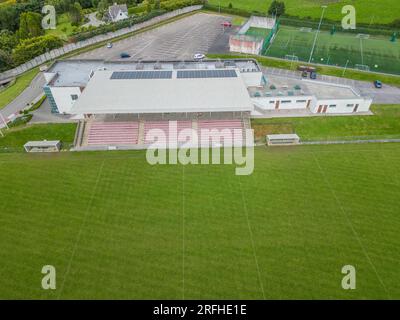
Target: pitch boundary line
{"points": [[81, 228], [183, 232], [251, 239], [350, 224]]}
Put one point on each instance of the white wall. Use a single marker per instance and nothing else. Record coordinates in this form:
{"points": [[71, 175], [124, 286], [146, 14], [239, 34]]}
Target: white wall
{"points": [[342, 106], [48, 76], [296, 102], [62, 97], [252, 79]]}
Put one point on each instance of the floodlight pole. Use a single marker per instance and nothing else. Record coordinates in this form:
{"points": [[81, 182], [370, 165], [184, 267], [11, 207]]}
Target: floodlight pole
{"points": [[316, 35], [4, 120], [345, 67]]}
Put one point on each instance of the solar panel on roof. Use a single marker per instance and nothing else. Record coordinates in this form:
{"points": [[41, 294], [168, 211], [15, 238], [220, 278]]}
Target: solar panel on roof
{"points": [[129, 75], [194, 74]]}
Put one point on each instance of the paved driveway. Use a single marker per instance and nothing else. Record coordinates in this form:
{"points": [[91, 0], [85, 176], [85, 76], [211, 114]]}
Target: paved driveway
{"points": [[177, 40]]}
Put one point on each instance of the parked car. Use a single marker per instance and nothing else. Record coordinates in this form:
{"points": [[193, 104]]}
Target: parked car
{"points": [[226, 24], [109, 45], [125, 55], [313, 75], [378, 84], [199, 56], [304, 74]]}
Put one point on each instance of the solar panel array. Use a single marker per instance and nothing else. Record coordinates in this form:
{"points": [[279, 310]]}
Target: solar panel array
{"points": [[192, 74], [124, 75]]}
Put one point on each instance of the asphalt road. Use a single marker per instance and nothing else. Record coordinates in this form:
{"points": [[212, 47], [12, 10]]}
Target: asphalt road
{"points": [[28, 95], [178, 40]]}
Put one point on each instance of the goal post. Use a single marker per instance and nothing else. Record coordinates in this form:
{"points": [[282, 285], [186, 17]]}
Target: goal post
{"points": [[305, 29], [363, 36], [291, 57], [362, 67]]}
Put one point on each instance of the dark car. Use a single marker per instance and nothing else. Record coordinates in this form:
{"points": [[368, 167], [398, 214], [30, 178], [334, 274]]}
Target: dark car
{"points": [[378, 84], [304, 74], [125, 55], [313, 75]]}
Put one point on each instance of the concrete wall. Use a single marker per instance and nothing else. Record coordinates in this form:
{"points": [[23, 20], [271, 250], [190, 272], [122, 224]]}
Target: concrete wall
{"points": [[341, 106], [245, 46], [63, 99], [252, 79], [285, 103]]}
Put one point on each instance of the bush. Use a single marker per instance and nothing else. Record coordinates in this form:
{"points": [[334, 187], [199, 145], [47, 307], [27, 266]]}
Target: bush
{"points": [[33, 47]]}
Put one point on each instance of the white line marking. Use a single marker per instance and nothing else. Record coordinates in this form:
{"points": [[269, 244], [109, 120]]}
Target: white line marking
{"points": [[251, 238], [350, 224], [81, 227]]}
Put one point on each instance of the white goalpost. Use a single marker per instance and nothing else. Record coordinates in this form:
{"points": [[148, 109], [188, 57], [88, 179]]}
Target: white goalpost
{"points": [[305, 29], [363, 36], [291, 57]]}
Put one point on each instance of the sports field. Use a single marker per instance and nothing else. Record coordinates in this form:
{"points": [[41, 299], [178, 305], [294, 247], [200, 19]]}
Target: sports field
{"points": [[258, 32], [116, 227], [377, 52], [368, 11]]}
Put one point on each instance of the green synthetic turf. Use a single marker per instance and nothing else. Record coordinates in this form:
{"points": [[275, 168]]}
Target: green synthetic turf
{"points": [[116, 227], [339, 49], [258, 32]]}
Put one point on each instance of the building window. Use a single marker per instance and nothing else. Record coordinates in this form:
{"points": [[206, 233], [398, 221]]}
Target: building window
{"points": [[272, 102], [332, 106], [286, 101], [350, 105], [301, 101], [74, 97]]}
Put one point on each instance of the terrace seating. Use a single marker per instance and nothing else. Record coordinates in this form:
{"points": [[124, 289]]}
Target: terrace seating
{"points": [[164, 126], [113, 133], [219, 125]]}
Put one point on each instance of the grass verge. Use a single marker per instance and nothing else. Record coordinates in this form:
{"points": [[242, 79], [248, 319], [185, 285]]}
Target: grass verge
{"points": [[15, 138], [22, 81], [384, 124]]}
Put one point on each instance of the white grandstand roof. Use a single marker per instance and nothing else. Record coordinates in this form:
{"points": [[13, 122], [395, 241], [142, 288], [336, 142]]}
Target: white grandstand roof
{"points": [[104, 95]]}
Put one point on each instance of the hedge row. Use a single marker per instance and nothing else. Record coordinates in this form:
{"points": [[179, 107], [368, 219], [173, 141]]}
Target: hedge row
{"points": [[33, 47]]}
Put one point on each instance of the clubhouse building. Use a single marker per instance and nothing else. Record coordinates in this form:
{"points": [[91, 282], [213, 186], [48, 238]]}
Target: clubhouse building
{"points": [[119, 102]]}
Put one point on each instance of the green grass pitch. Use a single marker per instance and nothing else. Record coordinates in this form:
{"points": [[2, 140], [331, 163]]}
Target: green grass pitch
{"points": [[377, 52], [368, 11], [116, 227]]}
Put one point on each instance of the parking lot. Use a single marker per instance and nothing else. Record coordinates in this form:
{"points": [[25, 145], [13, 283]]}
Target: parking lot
{"points": [[177, 40]]}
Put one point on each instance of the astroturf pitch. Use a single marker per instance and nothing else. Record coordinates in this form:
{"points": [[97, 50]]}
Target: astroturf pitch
{"points": [[115, 227], [377, 52]]}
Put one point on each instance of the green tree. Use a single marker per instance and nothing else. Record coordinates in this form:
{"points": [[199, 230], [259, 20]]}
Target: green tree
{"points": [[30, 25], [75, 14], [277, 8], [8, 40], [5, 60], [33, 47]]}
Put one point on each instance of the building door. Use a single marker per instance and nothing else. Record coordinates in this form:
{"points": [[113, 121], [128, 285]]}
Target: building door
{"points": [[277, 105], [325, 108], [319, 109], [355, 108]]}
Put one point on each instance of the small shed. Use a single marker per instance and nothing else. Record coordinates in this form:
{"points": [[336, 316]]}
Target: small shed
{"points": [[43, 146], [282, 139]]}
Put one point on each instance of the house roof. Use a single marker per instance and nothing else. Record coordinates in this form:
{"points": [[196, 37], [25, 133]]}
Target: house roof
{"points": [[106, 94], [116, 8]]}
